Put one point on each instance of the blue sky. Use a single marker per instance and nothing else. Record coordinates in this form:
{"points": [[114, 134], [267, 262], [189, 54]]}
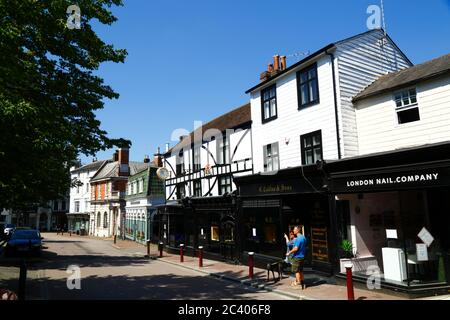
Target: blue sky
{"points": [[193, 60]]}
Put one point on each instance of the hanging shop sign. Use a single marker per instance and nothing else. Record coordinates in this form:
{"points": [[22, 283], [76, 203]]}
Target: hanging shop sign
{"points": [[392, 180], [162, 173]]}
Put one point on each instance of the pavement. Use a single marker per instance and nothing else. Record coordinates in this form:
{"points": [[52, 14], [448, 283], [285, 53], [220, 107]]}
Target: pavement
{"points": [[318, 287], [107, 266], [106, 272]]}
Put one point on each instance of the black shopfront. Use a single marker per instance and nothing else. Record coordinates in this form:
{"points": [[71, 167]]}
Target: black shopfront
{"points": [[399, 208], [209, 222], [272, 204]]}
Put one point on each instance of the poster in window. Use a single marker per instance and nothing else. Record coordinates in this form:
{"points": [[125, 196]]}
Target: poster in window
{"points": [[319, 244], [214, 233], [270, 233]]}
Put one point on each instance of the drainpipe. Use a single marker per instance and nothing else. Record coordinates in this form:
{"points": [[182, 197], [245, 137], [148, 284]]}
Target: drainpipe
{"points": [[338, 139]]}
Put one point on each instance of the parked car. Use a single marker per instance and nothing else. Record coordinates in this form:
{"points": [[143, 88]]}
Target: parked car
{"points": [[24, 241], [9, 229]]}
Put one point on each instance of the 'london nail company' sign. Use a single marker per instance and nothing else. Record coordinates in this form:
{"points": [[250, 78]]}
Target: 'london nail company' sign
{"points": [[411, 179]]}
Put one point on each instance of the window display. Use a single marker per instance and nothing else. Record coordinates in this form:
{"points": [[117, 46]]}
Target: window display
{"points": [[214, 233]]}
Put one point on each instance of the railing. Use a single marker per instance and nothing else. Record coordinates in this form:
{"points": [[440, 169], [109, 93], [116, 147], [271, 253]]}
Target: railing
{"points": [[209, 172]]}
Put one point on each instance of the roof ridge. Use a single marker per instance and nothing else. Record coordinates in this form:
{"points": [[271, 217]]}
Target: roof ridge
{"points": [[399, 73], [223, 115]]}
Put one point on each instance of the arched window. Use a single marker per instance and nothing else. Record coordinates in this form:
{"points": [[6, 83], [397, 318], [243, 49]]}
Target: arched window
{"points": [[98, 219], [105, 220]]}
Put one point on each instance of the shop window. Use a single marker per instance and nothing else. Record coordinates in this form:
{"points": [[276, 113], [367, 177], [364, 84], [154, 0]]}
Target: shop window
{"points": [[269, 104], [311, 146], [214, 233], [406, 106]]}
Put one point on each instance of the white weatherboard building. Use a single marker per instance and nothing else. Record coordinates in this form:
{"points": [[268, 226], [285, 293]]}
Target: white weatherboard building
{"points": [[311, 102], [399, 185], [80, 197], [301, 115]]}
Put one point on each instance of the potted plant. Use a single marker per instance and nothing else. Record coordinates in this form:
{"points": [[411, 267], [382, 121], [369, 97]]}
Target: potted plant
{"points": [[347, 255], [347, 249]]}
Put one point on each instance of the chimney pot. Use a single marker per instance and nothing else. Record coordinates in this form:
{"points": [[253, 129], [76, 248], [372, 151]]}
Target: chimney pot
{"points": [[276, 62], [283, 63], [167, 147], [146, 159]]}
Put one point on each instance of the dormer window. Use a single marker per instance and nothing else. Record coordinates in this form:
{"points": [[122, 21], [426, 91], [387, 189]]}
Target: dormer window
{"points": [[269, 103], [406, 106]]}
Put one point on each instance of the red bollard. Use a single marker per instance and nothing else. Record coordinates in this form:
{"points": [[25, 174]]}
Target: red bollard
{"points": [[200, 256], [160, 247], [251, 263], [350, 291], [181, 253]]}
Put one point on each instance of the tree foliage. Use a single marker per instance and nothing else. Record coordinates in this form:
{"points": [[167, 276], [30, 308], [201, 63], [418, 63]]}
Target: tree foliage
{"points": [[48, 95]]}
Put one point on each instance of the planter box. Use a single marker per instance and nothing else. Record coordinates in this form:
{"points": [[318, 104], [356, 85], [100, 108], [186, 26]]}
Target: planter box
{"points": [[360, 264]]}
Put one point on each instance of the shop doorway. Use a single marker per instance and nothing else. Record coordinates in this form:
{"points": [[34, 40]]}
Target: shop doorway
{"points": [[227, 239]]}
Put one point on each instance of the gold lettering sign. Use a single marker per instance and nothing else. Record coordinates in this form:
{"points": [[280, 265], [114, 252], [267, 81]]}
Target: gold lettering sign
{"points": [[275, 188], [319, 244]]}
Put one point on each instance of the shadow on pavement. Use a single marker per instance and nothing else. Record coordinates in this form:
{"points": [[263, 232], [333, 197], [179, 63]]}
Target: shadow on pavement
{"points": [[170, 286]]}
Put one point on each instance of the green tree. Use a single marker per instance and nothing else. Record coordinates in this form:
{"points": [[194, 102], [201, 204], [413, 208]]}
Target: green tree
{"points": [[48, 95]]}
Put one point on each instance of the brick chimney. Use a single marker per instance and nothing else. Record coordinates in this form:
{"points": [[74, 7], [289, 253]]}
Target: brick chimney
{"points": [[124, 164], [158, 159], [116, 156]]}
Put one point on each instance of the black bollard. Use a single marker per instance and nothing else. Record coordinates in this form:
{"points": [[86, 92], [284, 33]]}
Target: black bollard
{"points": [[22, 280]]}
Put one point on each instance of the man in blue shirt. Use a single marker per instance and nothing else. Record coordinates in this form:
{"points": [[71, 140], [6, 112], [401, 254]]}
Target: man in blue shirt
{"points": [[298, 258]]}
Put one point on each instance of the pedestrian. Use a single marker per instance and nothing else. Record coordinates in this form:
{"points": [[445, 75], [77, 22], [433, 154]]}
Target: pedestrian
{"points": [[297, 255], [289, 243]]}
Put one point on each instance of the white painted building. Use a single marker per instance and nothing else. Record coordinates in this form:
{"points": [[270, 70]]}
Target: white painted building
{"points": [[80, 197], [304, 113], [399, 112], [405, 109], [203, 163]]}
